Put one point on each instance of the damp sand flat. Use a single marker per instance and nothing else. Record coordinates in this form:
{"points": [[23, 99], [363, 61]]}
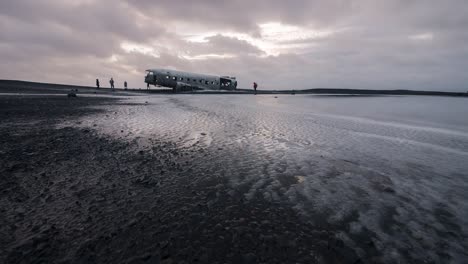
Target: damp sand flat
{"points": [[326, 179], [390, 169]]}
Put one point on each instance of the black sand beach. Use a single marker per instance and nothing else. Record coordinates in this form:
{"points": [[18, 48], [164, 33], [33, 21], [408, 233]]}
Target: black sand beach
{"points": [[122, 177], [71, 196]]}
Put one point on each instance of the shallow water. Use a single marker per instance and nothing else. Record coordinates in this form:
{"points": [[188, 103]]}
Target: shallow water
{"points": [[386, 170]]}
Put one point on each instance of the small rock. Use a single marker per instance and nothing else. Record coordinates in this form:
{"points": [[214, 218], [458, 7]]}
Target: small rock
{"points": [[249, 258], [132, 222], [146, 257], [20, 210], [164, 244]]}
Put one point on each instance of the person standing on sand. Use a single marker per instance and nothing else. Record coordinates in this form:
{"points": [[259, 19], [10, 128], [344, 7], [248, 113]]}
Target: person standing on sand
{"points": [[255, 87], [125, 85], [97, 83], [111, 83]]}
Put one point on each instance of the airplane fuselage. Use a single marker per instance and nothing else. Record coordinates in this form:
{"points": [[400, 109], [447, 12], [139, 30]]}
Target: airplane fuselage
{"points": [[187, 81]]}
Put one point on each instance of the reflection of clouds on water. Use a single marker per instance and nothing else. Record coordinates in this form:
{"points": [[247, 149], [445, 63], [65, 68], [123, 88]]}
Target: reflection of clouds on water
{"points": [[399, 182]]}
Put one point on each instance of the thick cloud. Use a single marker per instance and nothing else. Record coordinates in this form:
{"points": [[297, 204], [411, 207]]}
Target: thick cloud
{"points": [[396, 44], [246, 15]]}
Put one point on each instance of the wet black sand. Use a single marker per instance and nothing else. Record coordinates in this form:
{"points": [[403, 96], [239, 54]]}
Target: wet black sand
{"points": [[68, 195]]}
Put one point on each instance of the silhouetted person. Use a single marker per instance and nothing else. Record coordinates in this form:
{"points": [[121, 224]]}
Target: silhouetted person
{"points": [[255, 85], [111, 81], [97, 83], [147, 86], [125, 85]]}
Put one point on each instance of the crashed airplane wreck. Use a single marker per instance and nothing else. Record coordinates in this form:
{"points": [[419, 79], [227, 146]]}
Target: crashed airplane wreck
{"points": [[181, 81]]}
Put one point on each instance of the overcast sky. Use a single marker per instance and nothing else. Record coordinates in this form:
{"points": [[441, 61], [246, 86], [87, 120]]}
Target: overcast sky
{"points": [[371, 44]]}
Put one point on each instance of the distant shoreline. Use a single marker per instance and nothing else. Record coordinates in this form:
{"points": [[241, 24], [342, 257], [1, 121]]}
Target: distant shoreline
{"points": [[20, 86]]}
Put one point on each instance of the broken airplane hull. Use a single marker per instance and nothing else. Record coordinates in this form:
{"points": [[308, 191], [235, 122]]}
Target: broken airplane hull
{"points": [[187, 81]]}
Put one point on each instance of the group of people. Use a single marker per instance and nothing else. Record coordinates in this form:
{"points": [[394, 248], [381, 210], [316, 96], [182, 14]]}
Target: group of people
{"points": [[111, 82]]}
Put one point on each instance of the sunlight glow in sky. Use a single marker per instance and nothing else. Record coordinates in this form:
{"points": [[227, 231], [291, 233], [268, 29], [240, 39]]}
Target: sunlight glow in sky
{"points": [[139, 48], [276, 38], [424, 36], [208, 56]]}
